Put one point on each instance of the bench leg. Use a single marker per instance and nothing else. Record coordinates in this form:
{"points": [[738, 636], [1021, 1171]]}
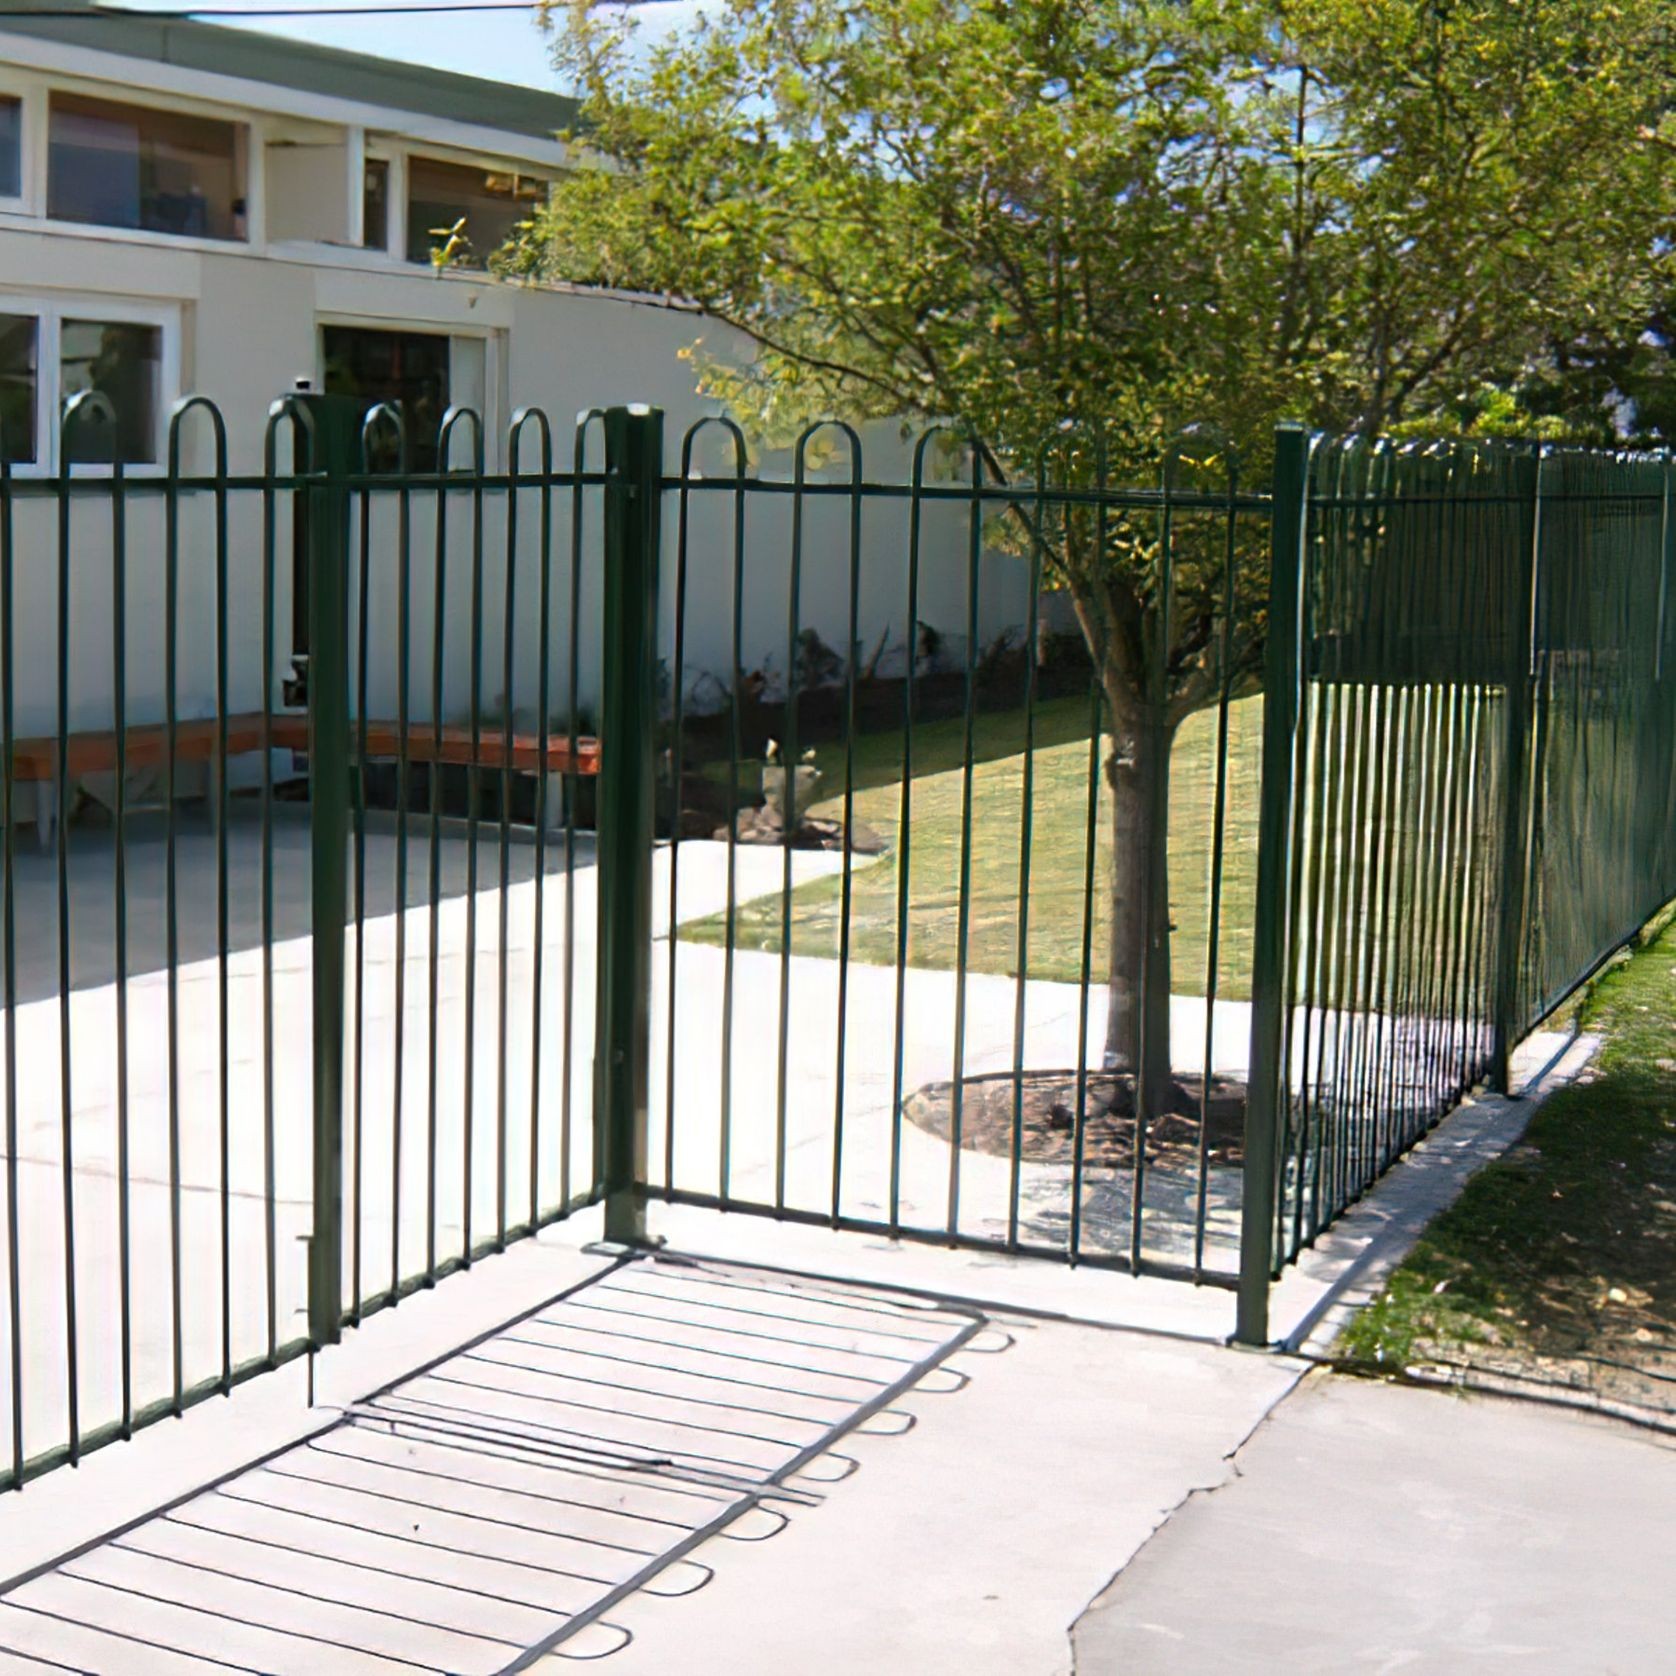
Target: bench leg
{"points": [[46, 812], [555, 802]]}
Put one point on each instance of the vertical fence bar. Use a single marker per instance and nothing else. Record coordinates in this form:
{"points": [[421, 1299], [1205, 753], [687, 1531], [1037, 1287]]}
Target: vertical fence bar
{"points": [[1269, 999], [404, 670], [622, 1052], [1157, 743], [85, 401], [847, 886], [963, 899], [543, 725], [789, 766], [9, 962], [1516, 805], [119, 889], [1026, 833], [677, 789], [573, 632], [8, 957], [1218, 852], [904, 820], [474, 795], [735, 748], [302, 443], [357, 772], [328, 765], [503, 927], [171, 897], [1090, 847], [433, 875]]}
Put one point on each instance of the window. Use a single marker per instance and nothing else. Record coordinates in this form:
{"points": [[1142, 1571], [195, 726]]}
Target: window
{"points": [[375, 205], [491, 203], [117, 165], [51, 351], [11, 146], [19, 334], [410, 370], [122, 360]]}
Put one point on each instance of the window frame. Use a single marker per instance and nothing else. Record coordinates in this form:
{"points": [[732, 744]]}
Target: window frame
{"points": [[27, 93], [50, 313], [493, 339]]}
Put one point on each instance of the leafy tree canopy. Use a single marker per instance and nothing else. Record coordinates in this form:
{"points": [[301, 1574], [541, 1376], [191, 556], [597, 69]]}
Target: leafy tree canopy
{"points": [[1136, 212]]}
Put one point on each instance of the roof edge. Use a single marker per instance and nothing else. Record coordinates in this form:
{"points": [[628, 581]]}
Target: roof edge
{"points": [[300, 66]]}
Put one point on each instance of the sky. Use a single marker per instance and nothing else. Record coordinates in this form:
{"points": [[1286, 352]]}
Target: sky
{"points": [[498, 45]]}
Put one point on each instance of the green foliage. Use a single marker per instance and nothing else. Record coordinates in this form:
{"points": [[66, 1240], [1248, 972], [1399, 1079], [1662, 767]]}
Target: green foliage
{"points": [[1134, 213], [1137, 212]]}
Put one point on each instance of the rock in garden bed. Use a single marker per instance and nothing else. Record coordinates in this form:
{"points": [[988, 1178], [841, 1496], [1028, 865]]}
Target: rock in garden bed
{"points": [[765, 825]]}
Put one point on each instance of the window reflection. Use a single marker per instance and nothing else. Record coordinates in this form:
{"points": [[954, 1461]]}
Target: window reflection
{"points": [[117, 165], [491, 202], [122, 361]]}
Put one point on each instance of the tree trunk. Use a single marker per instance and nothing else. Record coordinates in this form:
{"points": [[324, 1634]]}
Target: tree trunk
{"points": [[1138, 1009]]}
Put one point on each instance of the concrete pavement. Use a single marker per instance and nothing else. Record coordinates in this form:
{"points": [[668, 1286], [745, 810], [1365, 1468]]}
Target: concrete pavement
{"points": [[1379, 1528], [969, 1545]]}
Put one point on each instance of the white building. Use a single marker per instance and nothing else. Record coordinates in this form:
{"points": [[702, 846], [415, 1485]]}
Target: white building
{"points": [[191, 209]]}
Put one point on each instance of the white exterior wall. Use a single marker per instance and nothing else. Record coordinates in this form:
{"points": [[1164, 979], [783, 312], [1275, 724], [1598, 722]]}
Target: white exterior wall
{"points": [[242, 323], [249, 327]]}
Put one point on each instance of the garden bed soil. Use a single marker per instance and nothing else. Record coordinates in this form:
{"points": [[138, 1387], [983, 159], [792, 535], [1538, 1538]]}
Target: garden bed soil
{"points": [[1043, 1103]]}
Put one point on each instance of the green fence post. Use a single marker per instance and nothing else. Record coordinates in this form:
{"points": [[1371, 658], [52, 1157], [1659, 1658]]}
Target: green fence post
{"points": [[326, 543], [1269, 997], [628, 720], [1507, 1020]]}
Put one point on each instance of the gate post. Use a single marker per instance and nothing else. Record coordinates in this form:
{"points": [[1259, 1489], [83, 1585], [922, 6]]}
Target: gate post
{"points": [[326, 508], [628, 720], [1269, 998], [1516, 803]]}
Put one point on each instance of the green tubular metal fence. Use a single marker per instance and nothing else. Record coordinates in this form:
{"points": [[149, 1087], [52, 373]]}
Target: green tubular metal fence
{"points": [[237, 1109], [1469, 785], [487, 917], [907, 1034]]}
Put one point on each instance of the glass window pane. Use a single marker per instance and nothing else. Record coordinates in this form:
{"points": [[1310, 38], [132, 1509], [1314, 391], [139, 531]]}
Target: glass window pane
{"points": [[124, 362], [11, 147], [375, 205], [491, 202], [125, 166], [408, 370], [19, 334]]}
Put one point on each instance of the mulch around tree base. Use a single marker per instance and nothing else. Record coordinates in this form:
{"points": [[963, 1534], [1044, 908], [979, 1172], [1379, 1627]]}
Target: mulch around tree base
{"points": [[1049, 1126]]}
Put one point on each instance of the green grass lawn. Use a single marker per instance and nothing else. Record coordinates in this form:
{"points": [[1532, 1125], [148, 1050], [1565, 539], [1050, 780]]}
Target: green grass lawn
{"points": [[1058, 853], [1559, 1260]]}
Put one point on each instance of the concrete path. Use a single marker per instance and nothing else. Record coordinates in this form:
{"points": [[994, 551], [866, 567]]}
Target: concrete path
{"points": [[968, 1545], [1371, 1527], [408, 1178]]}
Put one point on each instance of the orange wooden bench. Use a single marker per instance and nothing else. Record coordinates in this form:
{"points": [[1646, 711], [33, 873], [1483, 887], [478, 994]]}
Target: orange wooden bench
{"points": [[451, 744], [35, 759]]}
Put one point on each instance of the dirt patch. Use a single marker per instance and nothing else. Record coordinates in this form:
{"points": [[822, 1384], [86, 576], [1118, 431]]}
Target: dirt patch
{"points": [[1042, 1104]]}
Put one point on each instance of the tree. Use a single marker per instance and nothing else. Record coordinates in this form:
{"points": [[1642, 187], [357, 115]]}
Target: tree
{"points": [[1135, 214]]}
